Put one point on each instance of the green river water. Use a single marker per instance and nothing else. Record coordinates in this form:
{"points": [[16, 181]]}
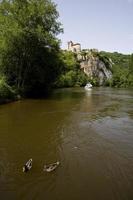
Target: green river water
{"points": [[90, 133]]}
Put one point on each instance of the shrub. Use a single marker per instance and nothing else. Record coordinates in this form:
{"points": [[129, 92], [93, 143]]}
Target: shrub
{"points": [[6, 92]]}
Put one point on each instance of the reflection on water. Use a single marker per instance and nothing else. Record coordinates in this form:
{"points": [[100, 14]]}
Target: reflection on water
{"points": [[90, 132]]}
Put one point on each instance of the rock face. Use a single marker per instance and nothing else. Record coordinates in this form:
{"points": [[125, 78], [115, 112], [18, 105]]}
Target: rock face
{"points": [[95, 67]]}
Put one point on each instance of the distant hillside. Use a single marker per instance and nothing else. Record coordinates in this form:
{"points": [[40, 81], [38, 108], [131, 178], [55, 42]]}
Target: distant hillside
{"points": [[122, 69], [117, 58]]}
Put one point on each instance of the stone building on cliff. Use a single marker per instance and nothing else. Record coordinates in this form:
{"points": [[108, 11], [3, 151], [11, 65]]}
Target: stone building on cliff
{"points": [[93, 64], [74, 47]]}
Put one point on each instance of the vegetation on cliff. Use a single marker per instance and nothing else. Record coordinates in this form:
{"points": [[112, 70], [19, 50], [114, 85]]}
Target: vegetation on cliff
{"points": [[71, 74], [120, 65], [122, 69]]}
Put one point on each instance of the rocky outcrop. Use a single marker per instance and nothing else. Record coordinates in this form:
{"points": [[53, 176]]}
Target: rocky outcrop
{"points": [[96, 66]]}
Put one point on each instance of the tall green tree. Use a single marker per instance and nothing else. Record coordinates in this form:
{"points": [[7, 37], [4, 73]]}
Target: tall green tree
{"points": [[29, 48]]}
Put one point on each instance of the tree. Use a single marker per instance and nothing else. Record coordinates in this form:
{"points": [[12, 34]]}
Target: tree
{"points": [[131, 64], [30, 54], [71, 74]]}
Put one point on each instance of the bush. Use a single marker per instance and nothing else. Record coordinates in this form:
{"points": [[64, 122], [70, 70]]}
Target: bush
{"points": [[67, 80], [72, 78], [71, 74], [6, 92], [120, 77], [82, 78]]}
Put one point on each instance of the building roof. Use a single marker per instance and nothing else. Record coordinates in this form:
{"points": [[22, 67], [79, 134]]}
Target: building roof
{"points": [[76, 44], [73, 43]]}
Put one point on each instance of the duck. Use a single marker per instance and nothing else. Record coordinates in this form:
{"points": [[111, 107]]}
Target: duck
{"points": [[51, 167], [28, 165]]}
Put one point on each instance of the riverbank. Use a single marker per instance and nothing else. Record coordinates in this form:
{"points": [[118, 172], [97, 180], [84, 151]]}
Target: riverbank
{"points": [[18, 97], [5, 101]]}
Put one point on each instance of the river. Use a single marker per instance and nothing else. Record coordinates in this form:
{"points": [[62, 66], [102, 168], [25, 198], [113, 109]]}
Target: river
{"points": [[90, 133]]}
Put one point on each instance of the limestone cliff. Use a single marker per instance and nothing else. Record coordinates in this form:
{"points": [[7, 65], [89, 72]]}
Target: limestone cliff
{"points": [[95, 66]]}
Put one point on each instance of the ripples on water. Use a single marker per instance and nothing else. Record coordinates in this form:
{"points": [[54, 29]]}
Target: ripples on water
{"points": [[89, 132]]}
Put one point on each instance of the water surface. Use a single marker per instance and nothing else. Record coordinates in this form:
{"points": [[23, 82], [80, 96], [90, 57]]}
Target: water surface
{"points": [[90, 133]]}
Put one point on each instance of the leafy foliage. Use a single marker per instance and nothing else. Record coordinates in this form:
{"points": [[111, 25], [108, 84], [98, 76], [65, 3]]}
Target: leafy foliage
{"points": [[117, 58], [30, 56], [123, 73], [6, 92], [71, 74]]}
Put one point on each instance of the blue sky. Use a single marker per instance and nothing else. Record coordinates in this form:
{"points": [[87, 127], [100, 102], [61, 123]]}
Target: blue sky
{"points": [[102, 24]]}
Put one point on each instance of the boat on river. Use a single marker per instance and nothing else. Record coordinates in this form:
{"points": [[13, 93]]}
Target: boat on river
{"points": [[88, 86], [28, 165], [51, 167]]}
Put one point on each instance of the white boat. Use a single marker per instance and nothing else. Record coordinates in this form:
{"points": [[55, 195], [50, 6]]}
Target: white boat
{"points": [[88, 86], [51, 167]]}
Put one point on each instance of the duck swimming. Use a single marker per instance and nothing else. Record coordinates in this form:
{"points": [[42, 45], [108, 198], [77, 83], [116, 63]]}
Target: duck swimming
{"points": [[28, 165], [51, 167]]}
